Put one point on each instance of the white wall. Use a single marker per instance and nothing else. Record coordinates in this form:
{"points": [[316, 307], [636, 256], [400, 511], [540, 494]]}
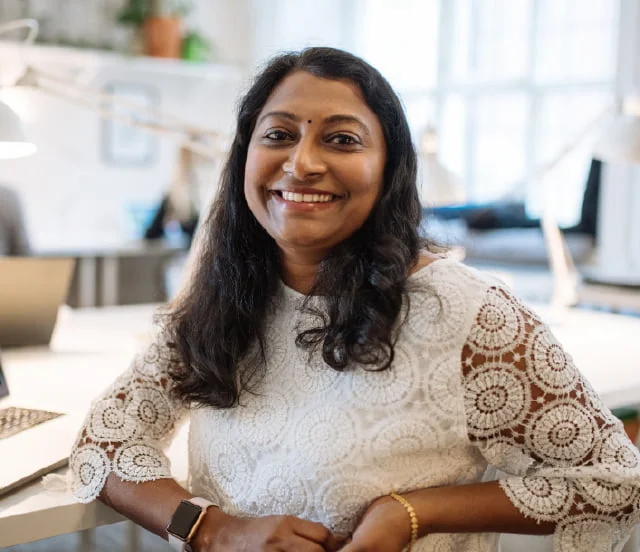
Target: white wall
{"points": [[280, 25], [73, 196], [229, 25]]}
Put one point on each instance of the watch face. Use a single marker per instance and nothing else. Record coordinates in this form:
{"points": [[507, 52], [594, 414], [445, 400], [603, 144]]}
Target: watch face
{"points": [[183, 519]]}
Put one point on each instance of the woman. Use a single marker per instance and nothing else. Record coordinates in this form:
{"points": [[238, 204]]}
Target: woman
{"points": [[346, 388], [179, 203], [14, 239]]}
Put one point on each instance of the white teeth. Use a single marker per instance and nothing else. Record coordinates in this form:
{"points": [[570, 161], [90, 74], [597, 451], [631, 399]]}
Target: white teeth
{"points": [[306, 198]]}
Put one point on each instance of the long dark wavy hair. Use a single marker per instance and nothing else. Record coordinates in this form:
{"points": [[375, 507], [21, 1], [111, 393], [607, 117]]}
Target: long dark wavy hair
{"points": [[221, 314]]}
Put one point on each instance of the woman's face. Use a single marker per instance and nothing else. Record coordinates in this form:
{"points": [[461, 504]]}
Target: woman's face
{"points": [[315, 163]]}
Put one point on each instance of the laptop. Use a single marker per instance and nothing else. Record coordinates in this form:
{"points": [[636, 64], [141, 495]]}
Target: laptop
{"points": [[32, 441], [31, 291]]}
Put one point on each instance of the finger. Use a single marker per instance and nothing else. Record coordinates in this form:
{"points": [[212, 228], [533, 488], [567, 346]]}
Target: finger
{"points": [[317, 532], [296, 543]]}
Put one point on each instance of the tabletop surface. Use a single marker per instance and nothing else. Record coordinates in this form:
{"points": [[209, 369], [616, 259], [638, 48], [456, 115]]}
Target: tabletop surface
{"points": [[131, 248], [90, 347]]}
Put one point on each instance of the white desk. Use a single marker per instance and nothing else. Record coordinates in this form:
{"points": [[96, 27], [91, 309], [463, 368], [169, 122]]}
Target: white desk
{"points": [[89, 349], [93, 346]]}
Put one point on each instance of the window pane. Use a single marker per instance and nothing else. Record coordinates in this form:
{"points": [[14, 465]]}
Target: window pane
{"points": [[453, 135], [282, 25], [502, 31], [563, 117], [400, 39], [576, 40], [421, 112], [501, 129]]}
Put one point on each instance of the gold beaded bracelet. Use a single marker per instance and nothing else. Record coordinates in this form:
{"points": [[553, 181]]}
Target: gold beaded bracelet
{"points": [[413, 518]]}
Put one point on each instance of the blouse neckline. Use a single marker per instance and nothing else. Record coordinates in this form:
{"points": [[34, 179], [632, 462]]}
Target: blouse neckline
{"points": [[419, 275]]}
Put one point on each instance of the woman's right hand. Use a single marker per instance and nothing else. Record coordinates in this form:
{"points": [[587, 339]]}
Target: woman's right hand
{"points": [[220, 531]]}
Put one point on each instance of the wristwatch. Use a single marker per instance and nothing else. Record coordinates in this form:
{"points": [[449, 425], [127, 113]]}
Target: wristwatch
{"points": [[185, 521]]}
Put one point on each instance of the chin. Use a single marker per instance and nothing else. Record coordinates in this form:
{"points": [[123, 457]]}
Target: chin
{"points": [[305, 240]]}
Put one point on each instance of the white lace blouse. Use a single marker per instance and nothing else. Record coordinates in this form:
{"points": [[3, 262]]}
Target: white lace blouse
{"points": [[478, 382]]}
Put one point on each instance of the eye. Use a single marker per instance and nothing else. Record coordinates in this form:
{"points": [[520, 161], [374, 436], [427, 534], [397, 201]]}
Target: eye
{"points": [[343, 139], [277, 135]]}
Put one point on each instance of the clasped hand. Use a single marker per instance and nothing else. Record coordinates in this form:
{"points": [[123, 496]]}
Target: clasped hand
{"points": [[383, 528]]}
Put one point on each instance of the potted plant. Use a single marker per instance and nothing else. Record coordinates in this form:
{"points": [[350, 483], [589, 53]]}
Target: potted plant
{"points": [[160, 25]]}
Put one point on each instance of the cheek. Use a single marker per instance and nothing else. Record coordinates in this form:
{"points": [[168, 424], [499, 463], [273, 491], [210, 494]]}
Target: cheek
{"points": [[363, 177], [251, 170], [261, 168]]}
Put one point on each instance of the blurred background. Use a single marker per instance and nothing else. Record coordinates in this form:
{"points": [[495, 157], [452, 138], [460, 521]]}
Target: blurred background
{"points": [[495, 92]]}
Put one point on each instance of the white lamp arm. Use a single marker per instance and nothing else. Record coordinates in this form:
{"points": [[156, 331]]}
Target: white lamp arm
{"points": [[565, 275], [30, 24], [127, 112], [110, 107]]}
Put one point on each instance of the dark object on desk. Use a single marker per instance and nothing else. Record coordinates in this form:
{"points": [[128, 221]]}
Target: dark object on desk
{"points": [[502, 233], [511, 214], [156, 229], [487, 216], [4, 388], [13, 233]]}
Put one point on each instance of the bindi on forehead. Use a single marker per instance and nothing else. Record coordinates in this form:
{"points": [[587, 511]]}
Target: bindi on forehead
{"points": [[309, 121]]}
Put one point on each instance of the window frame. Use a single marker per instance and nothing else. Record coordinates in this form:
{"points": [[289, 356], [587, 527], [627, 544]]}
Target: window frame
{"points": [[472, 91]]}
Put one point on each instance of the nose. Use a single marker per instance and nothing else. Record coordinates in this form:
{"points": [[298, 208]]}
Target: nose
{"points": [[305, 160]]}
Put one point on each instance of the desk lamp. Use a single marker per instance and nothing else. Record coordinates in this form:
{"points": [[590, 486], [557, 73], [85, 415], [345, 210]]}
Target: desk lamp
{"points": [[13, 140], [205, 142], [618, 143], [439, 186]]}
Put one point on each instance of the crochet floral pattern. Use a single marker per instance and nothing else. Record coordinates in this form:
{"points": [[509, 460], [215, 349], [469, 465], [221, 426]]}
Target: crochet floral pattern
{"points": [[522, 391], [126, 430], [478, 381]]}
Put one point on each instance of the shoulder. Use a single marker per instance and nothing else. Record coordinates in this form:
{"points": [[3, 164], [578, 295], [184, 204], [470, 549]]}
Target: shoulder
{"points": [[445, 297], [425, 259], [444, 275]]}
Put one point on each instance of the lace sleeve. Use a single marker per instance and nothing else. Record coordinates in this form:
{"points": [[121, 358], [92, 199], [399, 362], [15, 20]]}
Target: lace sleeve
{"points": [[534, 416], [128, 427]]}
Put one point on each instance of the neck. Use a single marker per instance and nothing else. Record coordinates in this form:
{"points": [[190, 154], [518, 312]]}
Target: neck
{"points": [[299, 269]]}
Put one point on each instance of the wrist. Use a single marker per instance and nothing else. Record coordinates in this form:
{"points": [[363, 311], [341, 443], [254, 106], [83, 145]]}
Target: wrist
{"points": [[207, 537], [411, 522], [187, 521], [425, 505]]}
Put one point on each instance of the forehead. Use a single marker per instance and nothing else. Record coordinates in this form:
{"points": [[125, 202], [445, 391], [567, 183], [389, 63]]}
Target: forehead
{"points": [[307, 95]]}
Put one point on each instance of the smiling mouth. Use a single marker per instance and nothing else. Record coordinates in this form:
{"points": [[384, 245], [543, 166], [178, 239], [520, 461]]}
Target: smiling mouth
{"points": [[306, 198]]}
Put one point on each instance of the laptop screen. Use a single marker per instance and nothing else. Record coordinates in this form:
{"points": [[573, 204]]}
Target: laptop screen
{"points": [[31, 291]]}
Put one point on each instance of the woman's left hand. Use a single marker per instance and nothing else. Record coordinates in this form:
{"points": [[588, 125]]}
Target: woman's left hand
{"points": [[384, 527]]}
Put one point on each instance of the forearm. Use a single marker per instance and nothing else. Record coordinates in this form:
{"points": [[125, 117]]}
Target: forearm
{"points": [[474, 508], [150, 504]]}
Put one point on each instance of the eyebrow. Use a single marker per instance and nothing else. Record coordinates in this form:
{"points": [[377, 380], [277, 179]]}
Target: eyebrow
{"points": [[338, 118]]}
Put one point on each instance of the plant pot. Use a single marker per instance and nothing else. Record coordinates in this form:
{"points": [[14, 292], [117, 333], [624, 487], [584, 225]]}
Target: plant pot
{"points": [[162, 37]]}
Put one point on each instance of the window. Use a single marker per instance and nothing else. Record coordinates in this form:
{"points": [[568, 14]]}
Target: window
{"points": [[508, 83]]}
